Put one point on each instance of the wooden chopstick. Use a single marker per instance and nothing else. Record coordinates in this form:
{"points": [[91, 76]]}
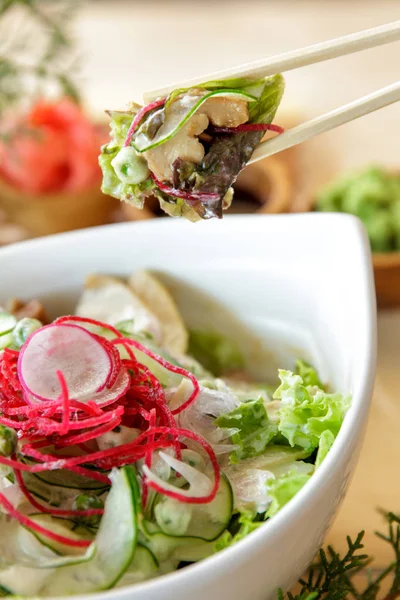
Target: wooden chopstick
{"points": [[281, 63], [339, 116]]}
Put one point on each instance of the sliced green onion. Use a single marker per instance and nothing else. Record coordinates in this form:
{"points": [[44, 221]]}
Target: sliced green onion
{"points": [[8, 441]]}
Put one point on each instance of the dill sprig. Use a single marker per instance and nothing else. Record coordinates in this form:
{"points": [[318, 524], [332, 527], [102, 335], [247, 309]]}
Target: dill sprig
{"points": [[332, 577], [37, 52]]}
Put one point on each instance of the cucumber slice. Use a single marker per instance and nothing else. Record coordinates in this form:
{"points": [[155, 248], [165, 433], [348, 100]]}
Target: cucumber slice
{"points": [[53, 495], [63, 478], [68, 479], [24, 581], [178, 114], [144, 566], [65, 527], [34, 561], [115, 543], [31, 552], [203, 521], [173, 548]]}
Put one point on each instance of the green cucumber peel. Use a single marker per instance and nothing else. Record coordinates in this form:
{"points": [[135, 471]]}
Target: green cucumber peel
{"points": [[141, 143]]}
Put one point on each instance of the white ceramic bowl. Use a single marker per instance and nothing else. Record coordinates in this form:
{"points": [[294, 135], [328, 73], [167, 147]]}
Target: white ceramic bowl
{"points": [[303, 283]]}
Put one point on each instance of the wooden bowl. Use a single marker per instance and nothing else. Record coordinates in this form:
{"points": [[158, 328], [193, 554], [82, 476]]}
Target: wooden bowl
{"points": [[54, 213], [386, 269], [387, 278]]}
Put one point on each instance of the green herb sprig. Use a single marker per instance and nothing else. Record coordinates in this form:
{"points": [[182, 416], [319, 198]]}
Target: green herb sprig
{"points": [[37, 51], [331, 578]]}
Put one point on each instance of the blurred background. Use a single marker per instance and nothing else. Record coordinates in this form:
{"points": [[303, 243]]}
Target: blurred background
{"points": [[63, 63]]}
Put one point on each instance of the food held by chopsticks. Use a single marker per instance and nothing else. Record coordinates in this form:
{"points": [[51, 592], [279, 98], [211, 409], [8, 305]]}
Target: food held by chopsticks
{"points": [[187, 149]]}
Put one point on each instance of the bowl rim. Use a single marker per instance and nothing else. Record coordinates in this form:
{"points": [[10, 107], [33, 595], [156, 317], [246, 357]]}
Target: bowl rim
{"points": [[333, 463]]}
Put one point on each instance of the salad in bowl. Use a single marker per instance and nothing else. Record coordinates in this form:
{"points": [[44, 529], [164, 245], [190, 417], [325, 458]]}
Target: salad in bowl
{"points": [[131, 446]]}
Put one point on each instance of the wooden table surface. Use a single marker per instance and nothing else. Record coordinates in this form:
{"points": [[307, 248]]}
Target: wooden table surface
{"points": [[133, 46]]}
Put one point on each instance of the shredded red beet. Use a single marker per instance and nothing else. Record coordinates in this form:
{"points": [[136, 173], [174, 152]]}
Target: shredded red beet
{"points": [[65, 404], [139, 117], [170, 367], [47, 429], [29, 524], [190, 197], [92, 434], [88, 321]]}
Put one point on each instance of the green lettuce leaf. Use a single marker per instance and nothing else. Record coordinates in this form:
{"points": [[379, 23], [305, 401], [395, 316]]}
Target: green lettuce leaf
{"points": [[134, 194], [243, 523], [120, 123], [215, 352], [255, 430], [308, 374], [325, 444], [263, 111], [282, 489], [307, 411]]}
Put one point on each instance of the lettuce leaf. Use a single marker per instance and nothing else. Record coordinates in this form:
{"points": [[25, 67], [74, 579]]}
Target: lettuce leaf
{"points": [[307, 411], [282, 489], [255, 430], [250, 478], [263, 111], [243, 523], [215, 352], [134, 194], [325, 444], [120, 123], [308, 374]]}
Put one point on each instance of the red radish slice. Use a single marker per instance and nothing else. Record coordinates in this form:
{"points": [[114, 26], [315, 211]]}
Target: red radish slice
{"points": [[115, 358], [74, 351], [99, 399], [108, 396]]}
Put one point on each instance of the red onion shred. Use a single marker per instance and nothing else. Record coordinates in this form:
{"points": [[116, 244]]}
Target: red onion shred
{"points": [[139, 117]]}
